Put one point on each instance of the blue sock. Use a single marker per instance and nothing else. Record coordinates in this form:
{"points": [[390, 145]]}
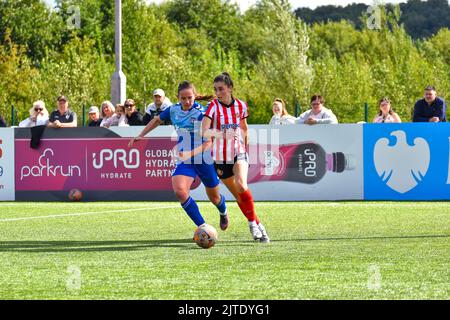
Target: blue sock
{"points": [[191, 208], [222, 205]]}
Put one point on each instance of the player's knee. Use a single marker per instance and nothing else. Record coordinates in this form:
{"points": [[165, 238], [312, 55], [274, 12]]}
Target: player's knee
{"points": [[215, 198], [241, 185], [182, 195]]}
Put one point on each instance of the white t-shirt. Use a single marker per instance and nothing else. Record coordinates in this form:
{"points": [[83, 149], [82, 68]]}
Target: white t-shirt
{"points": [[286, 119], [40, 121], [325, 116]]}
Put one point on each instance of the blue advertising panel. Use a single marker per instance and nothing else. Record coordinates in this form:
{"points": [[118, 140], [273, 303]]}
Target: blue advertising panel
{"points": [[407, 161]]}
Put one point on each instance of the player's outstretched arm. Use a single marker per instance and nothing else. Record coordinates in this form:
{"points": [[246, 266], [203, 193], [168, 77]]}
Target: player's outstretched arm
{"points": [[184, 155], [209, 133], [149, 127]]}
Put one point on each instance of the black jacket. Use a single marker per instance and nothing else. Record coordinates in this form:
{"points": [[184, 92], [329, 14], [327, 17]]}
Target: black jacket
{"points": [[95, 123], [136, 119], [151, 113]]}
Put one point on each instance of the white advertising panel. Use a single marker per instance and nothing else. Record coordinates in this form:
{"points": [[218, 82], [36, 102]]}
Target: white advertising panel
{"points": [[7, 189]]}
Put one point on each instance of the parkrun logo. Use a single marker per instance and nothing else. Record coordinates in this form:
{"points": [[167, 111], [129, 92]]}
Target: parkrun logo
{"points": [[47, 169], [129, 159]]}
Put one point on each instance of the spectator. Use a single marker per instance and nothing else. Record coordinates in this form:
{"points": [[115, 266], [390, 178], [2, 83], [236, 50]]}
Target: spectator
{"points": [[118, 119], [134, 117], [38, 116], [280, 114], [386, 113], [431, 108], [160, 103], [94, 117], [107, 112], [63, 117], [2, 122], [318, 114]]}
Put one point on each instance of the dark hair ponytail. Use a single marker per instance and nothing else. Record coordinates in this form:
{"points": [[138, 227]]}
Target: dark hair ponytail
{"points": [[186, 85], [225, 78]]}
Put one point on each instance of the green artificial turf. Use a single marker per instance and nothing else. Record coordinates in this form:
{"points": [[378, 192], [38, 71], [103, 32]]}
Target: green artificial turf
{"points": [[319, 250]]}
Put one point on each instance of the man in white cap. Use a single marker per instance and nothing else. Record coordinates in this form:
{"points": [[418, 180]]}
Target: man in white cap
{"points": [[94, 117], [160, 103]]}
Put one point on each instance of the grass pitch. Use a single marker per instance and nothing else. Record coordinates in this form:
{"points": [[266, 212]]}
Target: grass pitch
{"points": [[344, 250]]}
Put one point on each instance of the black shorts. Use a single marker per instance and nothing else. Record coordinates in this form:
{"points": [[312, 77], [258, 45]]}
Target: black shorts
{"points": [[225, 169]]}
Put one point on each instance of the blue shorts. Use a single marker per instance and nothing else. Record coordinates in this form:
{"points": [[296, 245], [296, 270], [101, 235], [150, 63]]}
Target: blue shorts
{"points": [[206, 172]]}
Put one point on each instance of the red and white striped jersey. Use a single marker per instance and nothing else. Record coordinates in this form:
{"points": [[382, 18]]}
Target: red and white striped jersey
{"points": [[227, 117]]}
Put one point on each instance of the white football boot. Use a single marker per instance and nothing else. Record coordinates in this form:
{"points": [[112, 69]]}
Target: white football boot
{"points": [[265, 237], [254, 230]]}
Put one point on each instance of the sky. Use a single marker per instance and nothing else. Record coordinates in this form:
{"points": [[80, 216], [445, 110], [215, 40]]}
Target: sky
{"points": [[244, 4]]}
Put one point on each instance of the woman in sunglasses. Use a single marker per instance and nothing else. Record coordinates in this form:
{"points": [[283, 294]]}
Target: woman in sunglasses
{"points": [[38, 116], [134, 117]]}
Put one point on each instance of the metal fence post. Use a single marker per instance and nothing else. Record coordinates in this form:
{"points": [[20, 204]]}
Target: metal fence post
{"points": [[84, 114], [366, 111], [13, 115]]}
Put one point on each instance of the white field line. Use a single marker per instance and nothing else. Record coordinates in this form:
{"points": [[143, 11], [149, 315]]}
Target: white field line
{"points": [[264, 203], [330, 204], [86, 213]]}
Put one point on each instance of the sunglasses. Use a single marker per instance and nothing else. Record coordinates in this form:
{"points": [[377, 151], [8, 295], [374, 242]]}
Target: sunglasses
{"points": [[129, 105], [38, 109]]}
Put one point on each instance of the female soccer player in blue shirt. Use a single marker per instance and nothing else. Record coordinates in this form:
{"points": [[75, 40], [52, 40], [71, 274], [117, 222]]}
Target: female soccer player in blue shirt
{"points": [[186, 116]]}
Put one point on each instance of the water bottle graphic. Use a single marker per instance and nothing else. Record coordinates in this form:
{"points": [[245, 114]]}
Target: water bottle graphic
{"points": [[303, 163]]}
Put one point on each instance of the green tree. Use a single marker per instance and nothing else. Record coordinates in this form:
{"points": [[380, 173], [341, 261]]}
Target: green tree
{"points": [[283, 64], [17, 80], [31, 25]]}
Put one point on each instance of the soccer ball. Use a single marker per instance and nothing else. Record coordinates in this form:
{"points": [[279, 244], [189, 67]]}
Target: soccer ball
{"points": [[75, 195], [205, 236]]}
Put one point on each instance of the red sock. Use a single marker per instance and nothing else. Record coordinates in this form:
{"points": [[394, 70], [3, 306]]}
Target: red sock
{"points": [[245, 202]]}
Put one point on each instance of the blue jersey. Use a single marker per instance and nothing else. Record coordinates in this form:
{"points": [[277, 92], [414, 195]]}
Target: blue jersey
{"points": [[186, 123], [188, 127]]}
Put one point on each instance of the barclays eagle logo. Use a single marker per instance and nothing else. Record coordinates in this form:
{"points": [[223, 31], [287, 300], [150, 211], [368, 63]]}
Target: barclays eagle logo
{"points": [[401, 166]]}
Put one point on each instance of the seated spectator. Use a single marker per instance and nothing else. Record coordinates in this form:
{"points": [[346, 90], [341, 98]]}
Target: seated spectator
{"points": [[160, 103], [318, 114], [280, 114], [38, 116], [134, 117], [386, 114], [118, 119], [2, 122], [94, 117], [108, 110], [63, 117], [431, 108]]}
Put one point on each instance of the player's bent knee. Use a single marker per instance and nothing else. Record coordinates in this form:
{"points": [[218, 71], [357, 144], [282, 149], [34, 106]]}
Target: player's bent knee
{"points": [[182, 195], [241, 185], [215, 198]]}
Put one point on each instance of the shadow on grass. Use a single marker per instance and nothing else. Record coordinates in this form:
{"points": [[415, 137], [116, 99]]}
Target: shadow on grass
{"points": [[186, 244], [99, 246]]}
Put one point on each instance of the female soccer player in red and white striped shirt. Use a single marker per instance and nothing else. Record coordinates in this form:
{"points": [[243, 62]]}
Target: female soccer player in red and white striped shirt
{"points": [[225, 122]]}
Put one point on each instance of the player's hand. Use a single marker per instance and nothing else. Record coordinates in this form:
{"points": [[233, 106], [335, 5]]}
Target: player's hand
{"points": [[132, 141], [57, 124], [184, 155], [230, 134]]}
